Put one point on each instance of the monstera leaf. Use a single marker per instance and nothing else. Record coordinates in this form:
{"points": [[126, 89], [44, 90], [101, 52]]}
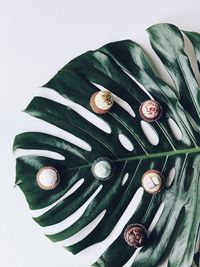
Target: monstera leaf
{"points": [[124, 68]]}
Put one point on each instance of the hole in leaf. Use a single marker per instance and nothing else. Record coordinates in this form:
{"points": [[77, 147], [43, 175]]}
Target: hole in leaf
{"points": [[192, 122], [32, 124], [170, 177], [135, 201], [176, 223], [37, 152], [128, 214], [125, 178], [131, 260], [189, 49], [98, 122], [56, 228], [83, 232], [125, 105], [39, 212], [139, 84], [197, 246], [163, 263], [175, 129], [126, 143], [156, 218], [150, 133], [119, 227], [122, 103], [83, 112]]}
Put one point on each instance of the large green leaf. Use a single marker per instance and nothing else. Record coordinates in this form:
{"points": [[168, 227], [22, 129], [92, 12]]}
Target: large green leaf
{"points": [[122, 67]]}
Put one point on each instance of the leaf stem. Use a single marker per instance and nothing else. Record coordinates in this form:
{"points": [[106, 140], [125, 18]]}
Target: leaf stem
{"points": [[148, 156], [162, 154]]}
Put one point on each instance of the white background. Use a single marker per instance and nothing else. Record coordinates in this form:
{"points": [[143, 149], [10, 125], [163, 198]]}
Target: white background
{"points": [[36, 39]]}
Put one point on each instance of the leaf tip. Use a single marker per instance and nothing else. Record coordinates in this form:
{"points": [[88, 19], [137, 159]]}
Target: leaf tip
{"points": [[17, 183]]}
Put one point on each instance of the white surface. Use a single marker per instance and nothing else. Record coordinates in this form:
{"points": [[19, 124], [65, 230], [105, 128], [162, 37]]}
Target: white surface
{"points": [[37, 39]]}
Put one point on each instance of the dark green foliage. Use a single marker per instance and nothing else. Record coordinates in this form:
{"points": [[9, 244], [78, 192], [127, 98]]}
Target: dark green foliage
{"points": [[112, 66]]}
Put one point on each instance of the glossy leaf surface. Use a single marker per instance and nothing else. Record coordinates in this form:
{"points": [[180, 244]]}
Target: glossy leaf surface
{"points": [[124, 68]]}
